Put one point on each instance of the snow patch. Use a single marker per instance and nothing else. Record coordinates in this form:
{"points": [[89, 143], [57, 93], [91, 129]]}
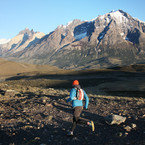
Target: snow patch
{"points": [[126, 38], [119, 17], [60, 26], [122, 34], [101, 37], [3, 41], [69, 23], [65, 26], [91, 20], [116, 15], [139, 20], [80, 36], [99, 50]]}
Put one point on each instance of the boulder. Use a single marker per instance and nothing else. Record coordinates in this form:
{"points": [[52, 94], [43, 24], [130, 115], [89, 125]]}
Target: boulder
{"points": [[133, 126], [10, 93], [128, 128], [114, 119]]}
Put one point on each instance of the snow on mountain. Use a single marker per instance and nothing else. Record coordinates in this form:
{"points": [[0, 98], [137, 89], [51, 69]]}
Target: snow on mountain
{"points": [[80, 36], [139, 20], [83, 30], [115, 38], [119, 16], [65, 26], [3, 41]]}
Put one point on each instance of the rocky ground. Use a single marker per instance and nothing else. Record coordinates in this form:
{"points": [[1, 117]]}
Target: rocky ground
{"points": [[39, 116]]}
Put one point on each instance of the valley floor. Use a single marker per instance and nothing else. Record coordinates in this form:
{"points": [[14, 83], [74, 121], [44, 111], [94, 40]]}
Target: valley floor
{"points": [[33, 108], [38, 116]]}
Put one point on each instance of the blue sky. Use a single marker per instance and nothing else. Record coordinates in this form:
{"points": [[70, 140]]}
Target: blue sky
{"points": [[46, 15]]}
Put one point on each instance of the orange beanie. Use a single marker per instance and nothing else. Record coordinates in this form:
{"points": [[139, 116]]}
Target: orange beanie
{"points": [[75, 82]]}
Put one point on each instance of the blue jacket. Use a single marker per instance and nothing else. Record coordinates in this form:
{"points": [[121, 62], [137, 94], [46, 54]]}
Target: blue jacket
{"points": [[77, 102]]}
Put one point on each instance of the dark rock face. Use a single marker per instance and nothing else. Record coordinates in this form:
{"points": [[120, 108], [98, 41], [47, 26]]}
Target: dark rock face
{"points": [[134, 36], [84, 30]]}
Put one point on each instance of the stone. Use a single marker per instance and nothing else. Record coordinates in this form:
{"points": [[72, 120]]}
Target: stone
{"points": [[37, 138], [133, 126], [49, 105], [10, 93], [50, 118], [126, 134], [114, 119], [119, 134], [55, 103], [44, 100], [128, 128]]}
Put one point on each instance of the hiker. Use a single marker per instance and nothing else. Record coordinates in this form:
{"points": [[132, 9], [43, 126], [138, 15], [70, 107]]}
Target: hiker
{"points": [[76, 96]]}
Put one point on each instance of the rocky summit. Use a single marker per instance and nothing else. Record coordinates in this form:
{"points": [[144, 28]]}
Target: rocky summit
{"points": [[22, 41], [113, 39]]}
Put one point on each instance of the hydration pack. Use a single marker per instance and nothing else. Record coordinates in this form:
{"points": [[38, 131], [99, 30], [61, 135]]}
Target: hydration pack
{"points": [[79, 94]]}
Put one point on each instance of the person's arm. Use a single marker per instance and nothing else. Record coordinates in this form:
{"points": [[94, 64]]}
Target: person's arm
{"points": [[86, 100], [72, 95]]}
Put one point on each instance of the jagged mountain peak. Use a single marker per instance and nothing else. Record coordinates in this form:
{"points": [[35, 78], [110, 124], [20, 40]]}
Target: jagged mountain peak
{"points": [[27, 31], [120, 11], [115, 38], [24, 39], [119, 16], [70, 24]]}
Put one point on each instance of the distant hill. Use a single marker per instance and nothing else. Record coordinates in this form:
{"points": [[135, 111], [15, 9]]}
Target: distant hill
{"points": [[110, 40], [10, 68]]}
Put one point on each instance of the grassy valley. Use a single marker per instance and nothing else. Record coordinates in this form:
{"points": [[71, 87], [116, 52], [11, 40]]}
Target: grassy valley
{"points": [[11, 68]]}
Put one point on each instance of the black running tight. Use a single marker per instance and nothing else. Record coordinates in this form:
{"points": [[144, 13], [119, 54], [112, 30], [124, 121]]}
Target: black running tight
{"points": [[76, 117]]}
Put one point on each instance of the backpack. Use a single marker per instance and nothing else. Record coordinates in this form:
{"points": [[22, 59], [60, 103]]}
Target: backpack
{"points": [[79, 94]]}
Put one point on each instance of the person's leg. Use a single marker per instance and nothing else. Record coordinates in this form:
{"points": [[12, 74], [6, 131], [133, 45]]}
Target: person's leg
{"points": [[76, 120], [76, 115]]}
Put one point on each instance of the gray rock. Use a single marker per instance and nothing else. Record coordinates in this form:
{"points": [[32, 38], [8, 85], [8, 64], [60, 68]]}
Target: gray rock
{"points": [[114, 119]]}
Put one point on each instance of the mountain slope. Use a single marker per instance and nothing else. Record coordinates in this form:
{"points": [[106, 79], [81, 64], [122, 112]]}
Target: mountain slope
{"points": [[24, 39], [113, 39]]}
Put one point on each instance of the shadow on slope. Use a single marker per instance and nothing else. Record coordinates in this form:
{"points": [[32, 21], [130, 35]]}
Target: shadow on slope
{"points": [[111, 81]]}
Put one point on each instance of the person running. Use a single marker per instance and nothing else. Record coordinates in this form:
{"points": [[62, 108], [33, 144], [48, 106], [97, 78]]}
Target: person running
{"points": [[77, 95]]}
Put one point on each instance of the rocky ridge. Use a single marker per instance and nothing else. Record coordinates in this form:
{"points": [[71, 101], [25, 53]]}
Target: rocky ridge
{"points": [[113, 39], [23, 40]]}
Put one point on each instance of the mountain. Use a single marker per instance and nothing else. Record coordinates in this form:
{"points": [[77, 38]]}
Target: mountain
{"points": [[24, 39], [113, 39]]}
